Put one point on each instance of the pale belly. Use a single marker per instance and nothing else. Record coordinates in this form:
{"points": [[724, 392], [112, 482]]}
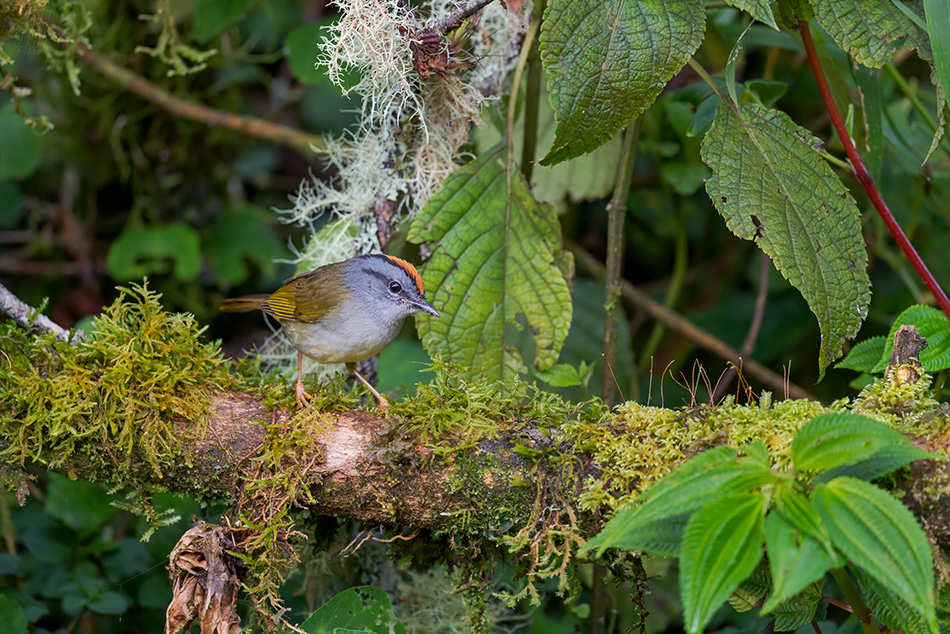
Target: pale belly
{"points": [[338, 341]]}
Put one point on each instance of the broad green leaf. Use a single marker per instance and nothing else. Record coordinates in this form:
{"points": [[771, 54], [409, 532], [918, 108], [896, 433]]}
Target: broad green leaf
{"points": [[865, 355], [885, 460], [608, 60], [880, 536], [758, 9], [559, 375], [12, 616], [890, 609], [361, 609], [81, 505], [143, 251], [721, 547], [22, 147], [933, 326], [841, 438], [213, 16], [496, 260], [798, 511], [301, 48], [662, 537], [687, 488], [772, 186], [109, 602], [239, 236], [796, 561], [867, 29], [752, 590], [800, 609]]}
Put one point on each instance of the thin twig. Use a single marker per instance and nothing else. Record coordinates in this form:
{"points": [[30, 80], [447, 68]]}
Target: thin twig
{"points": [[861, 173], [685, 328], [186, 109], [455, 19], [27, 317]]}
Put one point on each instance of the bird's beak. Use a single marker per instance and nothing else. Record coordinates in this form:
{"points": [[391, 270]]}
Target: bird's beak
{"points": [[425, 307]]}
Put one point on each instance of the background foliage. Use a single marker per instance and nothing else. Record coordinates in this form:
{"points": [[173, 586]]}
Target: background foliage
{"points": [[99, 186]]}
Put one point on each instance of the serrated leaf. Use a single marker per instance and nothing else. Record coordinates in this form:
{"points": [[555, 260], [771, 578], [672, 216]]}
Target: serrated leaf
{"points": [[758, 9], [361, 609], [890, 609], [865, 355], [752, 590], [496, 259], [721, 547], [607, 61], [796, 561], [933, 326], [798, 511], [662, 537], [771, 185], [841, 438], [867, 29], [687, 488], [886, 459], [880, 536], [800, 609]]}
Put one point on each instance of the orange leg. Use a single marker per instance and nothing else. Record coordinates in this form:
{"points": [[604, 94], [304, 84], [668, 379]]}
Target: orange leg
{"points": [[302, 396], [383, 403]]}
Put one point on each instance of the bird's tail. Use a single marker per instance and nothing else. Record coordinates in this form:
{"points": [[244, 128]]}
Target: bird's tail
{"points": [[244, 304]]}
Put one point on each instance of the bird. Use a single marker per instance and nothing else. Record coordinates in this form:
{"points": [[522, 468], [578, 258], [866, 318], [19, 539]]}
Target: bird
{"points": [[343, 312]]}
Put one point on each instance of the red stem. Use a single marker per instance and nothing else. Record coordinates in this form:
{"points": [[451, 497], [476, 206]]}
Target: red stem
{"points": [[861, 173]]}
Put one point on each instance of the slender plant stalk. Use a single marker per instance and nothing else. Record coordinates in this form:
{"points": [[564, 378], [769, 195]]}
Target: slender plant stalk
{"points": [[532, 100], [186, 109], [861, 173], [683, 327], [853, 597], [616, 214]]}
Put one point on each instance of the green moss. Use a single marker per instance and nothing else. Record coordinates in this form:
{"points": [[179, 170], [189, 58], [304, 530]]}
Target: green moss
{"points": [[123, 385]]}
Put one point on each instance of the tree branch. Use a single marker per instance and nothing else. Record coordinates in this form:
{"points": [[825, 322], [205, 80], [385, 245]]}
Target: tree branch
{"points": [[27, 317]]}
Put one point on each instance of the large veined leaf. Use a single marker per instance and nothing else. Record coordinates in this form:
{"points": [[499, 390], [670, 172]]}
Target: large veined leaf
{"points": [[496, 258], [888, 607], [867, 29], [361, 609], [806, 606], [771, 185], [880, 536], [758, 9], [721, 547], [608, 60]]}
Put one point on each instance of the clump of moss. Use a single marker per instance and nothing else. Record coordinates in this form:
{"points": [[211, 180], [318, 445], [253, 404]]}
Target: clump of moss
{"points": [[123, 385]]}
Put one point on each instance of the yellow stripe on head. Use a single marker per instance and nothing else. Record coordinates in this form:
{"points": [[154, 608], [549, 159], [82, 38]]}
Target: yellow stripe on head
{"points": [[411, 270]]}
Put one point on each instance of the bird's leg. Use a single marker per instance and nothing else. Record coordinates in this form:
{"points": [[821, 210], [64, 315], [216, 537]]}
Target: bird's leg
{"points": [[302, 396], [383, 403]]}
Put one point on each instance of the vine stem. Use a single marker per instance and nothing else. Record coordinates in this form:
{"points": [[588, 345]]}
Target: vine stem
{"points": [[455, 19], [616, 214], [864, 178], [853, 597], [186, 109]]}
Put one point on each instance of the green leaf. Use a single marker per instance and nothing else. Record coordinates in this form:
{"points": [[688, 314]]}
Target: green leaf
{"points": [[685, 179], [721, 547], [890, 609], [798, 511], [687, 488], [213, 16], [796, 561], [842, 438], [361, 609], [752, 590], [301, 48], [12, 616], [758, 9], [800, 609], [661, 537], [560, 375], [865, 355], [497, 259], [771, 185], [867, 29], [22, 147], [933, 326], [109, 602], [143, 251], [880, 536], [608, 60], [886, 459], [83, 506], [938, 24], [242, 234]]}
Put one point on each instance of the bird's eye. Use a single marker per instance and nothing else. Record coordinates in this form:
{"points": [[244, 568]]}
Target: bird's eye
{"points": [[394, 287]]}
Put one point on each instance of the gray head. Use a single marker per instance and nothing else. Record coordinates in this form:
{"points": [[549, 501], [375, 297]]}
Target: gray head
{"points": [[397, 282]]}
